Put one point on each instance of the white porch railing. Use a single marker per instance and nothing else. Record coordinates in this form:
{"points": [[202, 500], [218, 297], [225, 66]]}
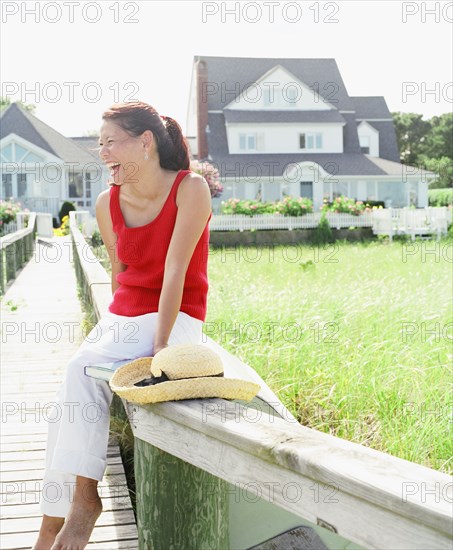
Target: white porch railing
{"points": [[47, 205], [405, 221]]}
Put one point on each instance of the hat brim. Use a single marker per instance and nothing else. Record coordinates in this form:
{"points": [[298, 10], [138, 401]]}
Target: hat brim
{"points": [[122, 383]]}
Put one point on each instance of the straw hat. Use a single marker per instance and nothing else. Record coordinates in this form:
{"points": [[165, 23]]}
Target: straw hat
{"points": [[181, 371]]}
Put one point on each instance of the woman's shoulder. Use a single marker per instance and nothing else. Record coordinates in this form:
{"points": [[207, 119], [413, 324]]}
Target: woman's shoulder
{"points": [[103, 199], [193, 185]]}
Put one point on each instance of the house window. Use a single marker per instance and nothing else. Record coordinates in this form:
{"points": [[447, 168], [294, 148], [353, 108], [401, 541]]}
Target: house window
{"points": [[306, 189], [371, 191], [7, 186], [22, 185], [75, 185], [7, 153], [88, 186], [310, 141], [365, 144], [339, 188], [251, 142]]}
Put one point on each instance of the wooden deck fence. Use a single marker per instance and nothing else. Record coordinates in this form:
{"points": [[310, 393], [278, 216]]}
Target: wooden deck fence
{"points": [[197, 460], [15, 250]]}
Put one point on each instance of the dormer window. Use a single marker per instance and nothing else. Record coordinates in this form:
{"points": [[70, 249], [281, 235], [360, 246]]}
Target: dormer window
{"points": [[365, 144], [310, 141]]}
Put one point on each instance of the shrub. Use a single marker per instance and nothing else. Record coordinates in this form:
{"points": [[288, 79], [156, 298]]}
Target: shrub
{"points": [[323, 233], [291, 206], [375, 204], [66, 207], [63, 229], [96, 239], [210, 174], [8, 211], [247, 207], [440, 197], [344, 205]]}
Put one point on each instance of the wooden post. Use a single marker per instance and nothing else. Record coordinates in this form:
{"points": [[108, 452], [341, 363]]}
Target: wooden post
{"points": [[179, 506]]}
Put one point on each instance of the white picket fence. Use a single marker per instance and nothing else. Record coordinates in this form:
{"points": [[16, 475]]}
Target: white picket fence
{"points": [[230, 222], [389, 221]]}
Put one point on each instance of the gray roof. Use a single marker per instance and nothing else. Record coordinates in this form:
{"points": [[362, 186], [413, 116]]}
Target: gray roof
{"points": [[273, 165], [342, 164], [283, 116], [397, 169], [370, 107], [388, 145], [89, 143], [240, 72], [15, 119], [236, 73]]}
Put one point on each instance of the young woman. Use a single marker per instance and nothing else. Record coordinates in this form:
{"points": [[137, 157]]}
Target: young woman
{"points": [[154, 223]]}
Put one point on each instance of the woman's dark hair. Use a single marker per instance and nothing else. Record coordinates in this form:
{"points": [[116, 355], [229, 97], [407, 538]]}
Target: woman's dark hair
{"points": [[136, 117]]}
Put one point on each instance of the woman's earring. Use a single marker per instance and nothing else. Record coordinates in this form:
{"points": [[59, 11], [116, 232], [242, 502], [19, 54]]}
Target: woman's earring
{"points": [[146, 155]]}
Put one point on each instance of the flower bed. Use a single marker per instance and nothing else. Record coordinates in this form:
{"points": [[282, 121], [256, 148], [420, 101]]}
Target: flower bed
{"points": [[289, 206], [345, 205]]}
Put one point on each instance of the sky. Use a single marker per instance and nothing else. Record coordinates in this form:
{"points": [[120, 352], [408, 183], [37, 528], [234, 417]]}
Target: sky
{"points": [[73, 59]]}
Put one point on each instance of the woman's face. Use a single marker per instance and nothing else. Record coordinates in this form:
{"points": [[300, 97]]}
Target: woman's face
{"points": [[122, 153]]}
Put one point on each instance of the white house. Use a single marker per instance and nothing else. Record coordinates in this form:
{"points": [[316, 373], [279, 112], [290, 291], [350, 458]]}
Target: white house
{"points": [[276, 127], [41, 168]]}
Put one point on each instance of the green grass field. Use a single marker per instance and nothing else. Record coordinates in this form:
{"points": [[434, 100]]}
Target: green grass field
{"points": [[355, 339]]}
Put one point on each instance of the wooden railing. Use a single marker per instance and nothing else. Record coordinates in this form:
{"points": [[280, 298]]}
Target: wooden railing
{"points": [[224, 474], [15, 250]]}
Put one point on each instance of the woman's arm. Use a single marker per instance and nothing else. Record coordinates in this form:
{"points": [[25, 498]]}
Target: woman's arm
{"points": [[194, 209], [108, 236]]}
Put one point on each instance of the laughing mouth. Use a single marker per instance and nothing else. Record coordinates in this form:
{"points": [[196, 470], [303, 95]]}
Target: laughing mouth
{"points": [[114, 169]]}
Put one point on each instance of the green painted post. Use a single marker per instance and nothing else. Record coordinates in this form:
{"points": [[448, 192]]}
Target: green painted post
{"points": [[179, 506], [2, 270]]}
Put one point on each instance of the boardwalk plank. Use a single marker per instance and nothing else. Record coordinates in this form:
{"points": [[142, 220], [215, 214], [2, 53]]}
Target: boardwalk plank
{"points": [[32, 371]]}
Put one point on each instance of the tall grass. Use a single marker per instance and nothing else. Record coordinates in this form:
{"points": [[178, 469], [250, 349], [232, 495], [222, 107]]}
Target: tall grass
{"points": [[355, 339], [341, 335]]}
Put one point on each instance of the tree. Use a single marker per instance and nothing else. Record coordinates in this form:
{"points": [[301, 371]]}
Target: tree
{"points": [[411, 132], [439, 140], [427, 144], [5, 101]]}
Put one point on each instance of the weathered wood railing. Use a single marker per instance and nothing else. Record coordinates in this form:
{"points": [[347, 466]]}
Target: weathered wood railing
{"points": [[16, 249], [224, 474]]}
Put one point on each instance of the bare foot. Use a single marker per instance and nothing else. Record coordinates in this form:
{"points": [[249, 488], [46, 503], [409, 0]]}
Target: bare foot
{"points": [[79, 524], [50, 528]]}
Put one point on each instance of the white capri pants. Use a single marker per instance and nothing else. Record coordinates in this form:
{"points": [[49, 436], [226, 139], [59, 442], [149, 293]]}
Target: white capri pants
{"points": [[79, 422]]}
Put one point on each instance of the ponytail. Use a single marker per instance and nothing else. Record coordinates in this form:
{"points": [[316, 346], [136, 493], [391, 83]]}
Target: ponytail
{"points": [[176, 152], [136, 117]]}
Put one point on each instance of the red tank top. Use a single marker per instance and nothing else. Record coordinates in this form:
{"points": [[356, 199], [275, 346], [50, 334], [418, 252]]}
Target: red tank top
{"points": [[144, 249]]}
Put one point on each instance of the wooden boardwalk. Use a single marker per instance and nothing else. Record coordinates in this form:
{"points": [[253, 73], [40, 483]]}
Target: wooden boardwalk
{"points": [[41, 329]]}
